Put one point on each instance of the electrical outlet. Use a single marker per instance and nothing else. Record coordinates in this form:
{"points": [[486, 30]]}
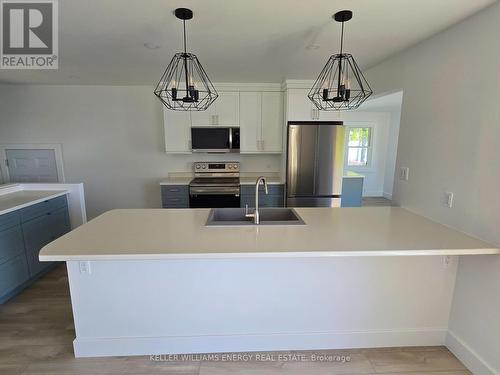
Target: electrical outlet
{"points": [[448, 199], [404, 173], [446, 261], [84, 267]]}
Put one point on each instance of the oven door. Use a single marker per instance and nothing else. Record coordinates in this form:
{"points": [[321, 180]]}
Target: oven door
{"points": [[214, 196]]}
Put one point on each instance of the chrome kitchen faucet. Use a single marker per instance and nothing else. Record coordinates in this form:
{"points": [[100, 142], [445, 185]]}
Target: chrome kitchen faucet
{"points": [[255, 215]]}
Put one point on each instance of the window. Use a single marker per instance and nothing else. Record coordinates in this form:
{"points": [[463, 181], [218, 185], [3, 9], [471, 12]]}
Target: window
{"points": [[359, 146]]}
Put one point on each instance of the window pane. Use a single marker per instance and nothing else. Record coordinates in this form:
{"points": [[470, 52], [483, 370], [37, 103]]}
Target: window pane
{"points": [[357, 156], [359, 137]]}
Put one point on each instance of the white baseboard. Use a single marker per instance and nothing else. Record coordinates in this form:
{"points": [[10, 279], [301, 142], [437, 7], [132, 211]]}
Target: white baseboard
{"points": [[102, 347], [387, 195], [373, 193], [468, 356]]}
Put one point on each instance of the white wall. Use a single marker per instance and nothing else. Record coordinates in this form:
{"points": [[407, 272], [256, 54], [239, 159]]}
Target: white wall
{"points": [[450, 140], [392, 150], [112, 140]]}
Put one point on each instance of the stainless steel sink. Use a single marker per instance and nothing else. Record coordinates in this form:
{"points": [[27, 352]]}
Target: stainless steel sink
{"points": [[268, 216]]}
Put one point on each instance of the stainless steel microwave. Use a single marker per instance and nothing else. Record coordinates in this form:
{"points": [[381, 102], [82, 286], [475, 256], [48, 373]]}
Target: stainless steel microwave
{"points": [[216, 139]]}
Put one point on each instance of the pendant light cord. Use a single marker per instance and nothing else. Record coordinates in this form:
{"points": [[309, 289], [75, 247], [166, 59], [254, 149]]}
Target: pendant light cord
{"points": [[340, 60], [185, 43], [185, 60]]}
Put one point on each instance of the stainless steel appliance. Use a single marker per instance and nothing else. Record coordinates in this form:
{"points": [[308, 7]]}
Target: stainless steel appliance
{"points": [[216, 184], [217, 139], [315, 162]]}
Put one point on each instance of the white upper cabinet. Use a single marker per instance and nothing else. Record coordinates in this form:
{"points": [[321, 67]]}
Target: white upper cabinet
{"points": [[258, 113], [301, 108], [261, 122], [225, 111], [177, 126], [250, 121], [227, 108], [272, 122]]}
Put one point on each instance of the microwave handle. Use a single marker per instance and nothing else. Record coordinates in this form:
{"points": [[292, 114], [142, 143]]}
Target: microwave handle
{"points": [[230, 138]]}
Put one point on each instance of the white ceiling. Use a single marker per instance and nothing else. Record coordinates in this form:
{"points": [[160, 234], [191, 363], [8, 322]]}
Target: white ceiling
{"points": [[102, 42]]}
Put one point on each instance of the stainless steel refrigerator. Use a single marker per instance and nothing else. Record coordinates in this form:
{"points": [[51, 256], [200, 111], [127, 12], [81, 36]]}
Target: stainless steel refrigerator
{"points": [[315, 163]]}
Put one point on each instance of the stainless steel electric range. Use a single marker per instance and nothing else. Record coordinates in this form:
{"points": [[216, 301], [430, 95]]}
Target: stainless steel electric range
{"points": [[216, 184]]}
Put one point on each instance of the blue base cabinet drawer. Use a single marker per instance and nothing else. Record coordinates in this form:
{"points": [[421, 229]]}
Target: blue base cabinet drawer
{"points": [[12, 274], [175, 196], [43, 208]]}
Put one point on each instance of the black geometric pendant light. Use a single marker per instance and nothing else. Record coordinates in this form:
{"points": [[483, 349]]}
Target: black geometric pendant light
{"points": [[341, 84], [185, 86]]}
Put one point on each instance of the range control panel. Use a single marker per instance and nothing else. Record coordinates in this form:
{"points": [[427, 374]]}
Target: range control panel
{"points": [[217, 167]]}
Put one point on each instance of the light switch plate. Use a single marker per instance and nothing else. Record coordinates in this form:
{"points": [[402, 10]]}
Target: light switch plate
{"points": [[404, 173], [84, 267], [448, 199]]}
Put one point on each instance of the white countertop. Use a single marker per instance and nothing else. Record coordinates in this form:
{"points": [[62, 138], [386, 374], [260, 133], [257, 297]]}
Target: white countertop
{"points": [[19, 199], [182, 180], [173, 233], [271, 180]]}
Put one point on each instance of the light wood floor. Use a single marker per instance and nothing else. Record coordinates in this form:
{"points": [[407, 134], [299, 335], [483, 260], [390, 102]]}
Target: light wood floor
{"points": [[36, 333]]}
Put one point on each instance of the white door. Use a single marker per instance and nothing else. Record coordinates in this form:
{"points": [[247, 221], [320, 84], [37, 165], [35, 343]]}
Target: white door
{"points": [[31, 165], [250, 121], [272, 122], [177, 131]]}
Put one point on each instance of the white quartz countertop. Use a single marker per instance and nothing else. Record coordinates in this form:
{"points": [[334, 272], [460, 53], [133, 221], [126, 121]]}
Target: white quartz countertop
{"points": [[271, 180], [181, 233], [19, 199], [182, 180]]}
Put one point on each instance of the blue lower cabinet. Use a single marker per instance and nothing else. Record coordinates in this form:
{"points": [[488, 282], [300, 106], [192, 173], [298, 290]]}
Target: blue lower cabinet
{"points": [[13, 274], [352, 192], [11, 243], [41, 230], [175, 196], [23, 233]]}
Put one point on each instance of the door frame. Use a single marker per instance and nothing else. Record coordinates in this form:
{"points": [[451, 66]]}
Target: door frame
{"points": [[57, 147]]}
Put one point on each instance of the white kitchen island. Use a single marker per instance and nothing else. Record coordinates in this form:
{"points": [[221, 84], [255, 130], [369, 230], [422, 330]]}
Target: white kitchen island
{"points": [[159, 281]]}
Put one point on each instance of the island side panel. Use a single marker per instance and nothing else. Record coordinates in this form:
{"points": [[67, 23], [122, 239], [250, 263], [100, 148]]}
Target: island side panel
{"points": [[218, 305]]}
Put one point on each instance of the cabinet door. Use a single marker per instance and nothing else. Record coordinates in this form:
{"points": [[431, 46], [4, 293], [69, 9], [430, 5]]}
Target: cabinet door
{"points": [[205, 118], [37, 233], [177, 131], [250, 121], [300, 108], [12, 274], [227, 109], [11, 243], [272, 122], [175, 196]]}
